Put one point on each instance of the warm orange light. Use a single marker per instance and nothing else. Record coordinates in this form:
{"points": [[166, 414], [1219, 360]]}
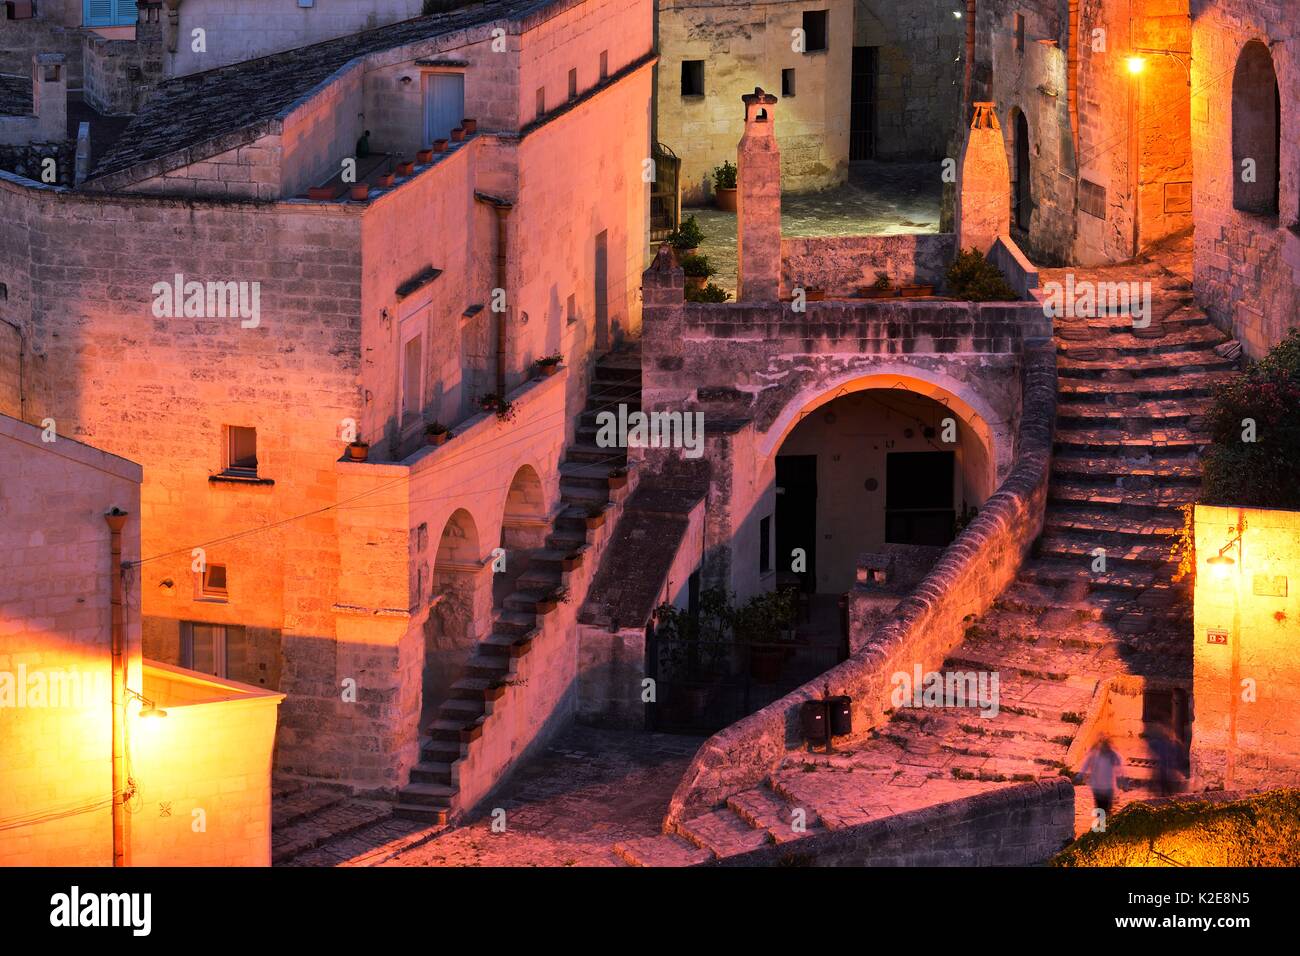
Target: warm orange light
{"points": [[1220, 565], [1136, 64]]}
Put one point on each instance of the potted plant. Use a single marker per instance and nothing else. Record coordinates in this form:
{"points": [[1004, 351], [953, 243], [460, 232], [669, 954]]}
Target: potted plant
{"points": [[440, 146], [882, 288], [360, 192], [686, 238], [548, 365], [912, 291], [458, 134], [617, 477], [814, 293], [766, 624], [321, 192], [710, 293], [552, 599], [387, 179], [498, 405], [698, 270], [571, 561], [724, 186], [595, 518], [405, 167], [358, 450], [424, 156], [469, 125], [436, 433]]}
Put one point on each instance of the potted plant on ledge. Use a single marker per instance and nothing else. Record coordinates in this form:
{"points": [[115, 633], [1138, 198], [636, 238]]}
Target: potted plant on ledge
{"points": [[686, 238], [724, 186], [698, 271], [594, 518], [436, 433], [548, 365], [552, 599], [571, 561], [618, 478], [498, 405], [358, 450]]}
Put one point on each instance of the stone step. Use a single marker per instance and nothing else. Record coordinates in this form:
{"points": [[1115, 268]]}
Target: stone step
{"points": [[432, 771], [587, 473], [539, 579], [584, 495], [1080, 547], [1150, 412], [1125, 581], [1153, 469], [1102, 520], [488, 665], [763, 809], [1169, 311], [429, 794], [518, 623], [472, 688], [1105, 346], [590, 452], [327, 824], [1171, 497], [1172, 363], [501, 645], [1118, 442], [440, 751], [459, 709], [723, 833], [422, 813], [1195, 384], [666, 849]]}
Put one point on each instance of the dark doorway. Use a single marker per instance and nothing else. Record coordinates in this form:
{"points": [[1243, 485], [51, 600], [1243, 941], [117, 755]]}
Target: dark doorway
{"points": [[796, 516], [919, 497], [1020, 202], [862, 104], [601, 291]]}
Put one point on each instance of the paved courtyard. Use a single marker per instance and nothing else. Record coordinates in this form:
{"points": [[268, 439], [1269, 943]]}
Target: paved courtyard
{"points": [[567, 806], [880, 199]]}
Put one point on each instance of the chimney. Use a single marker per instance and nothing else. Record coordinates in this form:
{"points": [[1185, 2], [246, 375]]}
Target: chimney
{"points": [[50, 97], [983, 183], [758, 203]]}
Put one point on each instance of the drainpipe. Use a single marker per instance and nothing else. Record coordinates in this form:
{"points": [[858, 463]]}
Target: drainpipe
{"points": [[116, 521], [502, 208], [970, 57], [173, 23]]}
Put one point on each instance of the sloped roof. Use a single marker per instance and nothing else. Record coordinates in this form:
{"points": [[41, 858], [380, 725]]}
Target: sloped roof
{"points": [[203, 113], [15, 95]]}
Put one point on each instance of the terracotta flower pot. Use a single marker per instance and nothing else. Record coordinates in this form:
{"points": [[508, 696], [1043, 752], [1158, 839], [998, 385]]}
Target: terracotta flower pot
{"points": [[680, 254], [725, 199], [696, 282], [386, 180], [458, 134], [440, 146], [436, 438], [358, 451], [405, 167], [360, 192], [594, 521], [571, 563], [617, 481], [912, 291], [469, 125], [546, 606], [867, 292], [424, 157], [548, 370], [815, 295], [321, 192]]}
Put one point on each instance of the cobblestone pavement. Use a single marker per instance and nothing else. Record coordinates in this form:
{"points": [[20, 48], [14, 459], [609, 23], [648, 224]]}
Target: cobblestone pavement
{"points": [[878, 199], [566, 807]]}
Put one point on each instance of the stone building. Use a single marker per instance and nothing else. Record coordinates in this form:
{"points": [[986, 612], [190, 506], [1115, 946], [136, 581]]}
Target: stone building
{"points": [[221, 302], [858, 79]]}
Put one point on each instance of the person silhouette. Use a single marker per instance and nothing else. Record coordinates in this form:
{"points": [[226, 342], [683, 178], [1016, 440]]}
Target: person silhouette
{"points": [[1100, 769]]}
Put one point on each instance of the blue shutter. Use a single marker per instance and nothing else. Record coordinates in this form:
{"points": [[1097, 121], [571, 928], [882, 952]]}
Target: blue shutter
{"points": [[444, 104], [97, 13], [124, 13]]}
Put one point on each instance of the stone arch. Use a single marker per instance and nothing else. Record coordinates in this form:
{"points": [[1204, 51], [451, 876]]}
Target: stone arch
{"points": [[1022, 202], [461, 615], [459, 544], [1256, 130], [524, 526]]}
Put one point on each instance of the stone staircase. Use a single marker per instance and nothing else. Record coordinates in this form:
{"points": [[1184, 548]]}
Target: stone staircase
{"points": [[431, 795], [1129, 432]]}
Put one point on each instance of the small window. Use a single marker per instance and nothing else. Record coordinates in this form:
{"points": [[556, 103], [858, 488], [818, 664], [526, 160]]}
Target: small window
{"points": [[787, 82], [241, 451], [604, 64], [541, 101], [412, 377], [573, 84], [765, 545], [1020, 33], [692, 77], [216, 649], [814, 31], [212, 582], [572, 309]]}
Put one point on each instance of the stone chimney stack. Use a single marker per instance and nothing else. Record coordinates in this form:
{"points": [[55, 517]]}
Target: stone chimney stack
{"points": [[50, 96], [758, 203], [983, 183]]}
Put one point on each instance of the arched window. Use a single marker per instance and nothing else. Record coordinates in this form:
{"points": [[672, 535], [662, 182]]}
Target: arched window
{"points": [[1256, 131], [1021, 202]]}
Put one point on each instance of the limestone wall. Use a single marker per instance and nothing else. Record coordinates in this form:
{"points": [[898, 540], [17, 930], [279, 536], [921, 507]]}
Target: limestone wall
{"points": [[744, 45], [1245, 675], [840, 265], [1021, 825], [923, 628], [1247, 265], [56, 30], [56, 775]]}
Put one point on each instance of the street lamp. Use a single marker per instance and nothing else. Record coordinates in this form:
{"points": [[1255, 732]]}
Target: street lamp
{"points": [[148, 709]]}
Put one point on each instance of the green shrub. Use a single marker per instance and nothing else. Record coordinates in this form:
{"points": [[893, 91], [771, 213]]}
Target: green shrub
{"points": [[710, 293], [688, 235], [697, 267], [1264, 473], [973, 278], [724, 176]]}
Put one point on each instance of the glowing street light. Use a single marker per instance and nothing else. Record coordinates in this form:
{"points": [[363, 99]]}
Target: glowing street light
{"points": [[1135, 64]]}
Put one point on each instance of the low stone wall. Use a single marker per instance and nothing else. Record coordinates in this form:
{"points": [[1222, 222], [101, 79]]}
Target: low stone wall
{"points": [[841, 265], [1021, 274], [1020, 825], [925, 626]]}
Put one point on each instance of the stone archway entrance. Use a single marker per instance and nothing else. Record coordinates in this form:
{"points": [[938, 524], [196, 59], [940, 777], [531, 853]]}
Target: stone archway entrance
{"points": [[462, 582], [524, 526], [1021, 197]]}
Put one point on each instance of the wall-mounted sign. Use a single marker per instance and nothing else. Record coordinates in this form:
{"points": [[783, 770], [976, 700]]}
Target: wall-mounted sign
{"points": [[1216, 637], [1269, 585]]}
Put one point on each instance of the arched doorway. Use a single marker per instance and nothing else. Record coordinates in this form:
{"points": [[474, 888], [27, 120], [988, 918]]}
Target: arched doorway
{"points": [[523, 528], [1256, 131], [1021, 201], [452, 629]]}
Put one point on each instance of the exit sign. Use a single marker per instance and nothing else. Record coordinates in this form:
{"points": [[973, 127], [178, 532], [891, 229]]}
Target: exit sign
{"points": [[1216, 637]]}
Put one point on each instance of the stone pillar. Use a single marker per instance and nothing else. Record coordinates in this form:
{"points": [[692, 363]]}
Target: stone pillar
{"points": [[983, 183], [50, 96], [758, 203]]}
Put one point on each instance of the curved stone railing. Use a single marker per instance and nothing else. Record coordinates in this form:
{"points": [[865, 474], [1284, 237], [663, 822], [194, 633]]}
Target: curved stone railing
{"points": [[925, 626]]}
